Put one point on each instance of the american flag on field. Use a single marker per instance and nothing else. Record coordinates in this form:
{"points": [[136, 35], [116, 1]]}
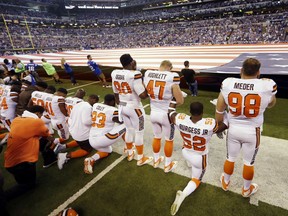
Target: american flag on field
{"points": [[212, 59]]}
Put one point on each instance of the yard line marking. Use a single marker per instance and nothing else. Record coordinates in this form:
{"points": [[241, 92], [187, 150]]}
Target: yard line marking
{"points": [[83, 85], [146, 106], [71, 93], [45, 80], [86, 187]]}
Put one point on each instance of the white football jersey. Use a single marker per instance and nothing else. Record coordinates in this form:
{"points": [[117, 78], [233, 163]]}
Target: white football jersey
{"points": [[247, 99], [128, 84], [70, 102], [159, 87], [8, 106], [47, 98], [80, 121], [102, 119], [37, 98], [58, 115], [196, 136], [2, 88]]}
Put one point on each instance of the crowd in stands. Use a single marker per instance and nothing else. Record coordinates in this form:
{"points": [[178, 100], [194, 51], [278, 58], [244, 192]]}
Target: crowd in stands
{"points": [[248, 29]]}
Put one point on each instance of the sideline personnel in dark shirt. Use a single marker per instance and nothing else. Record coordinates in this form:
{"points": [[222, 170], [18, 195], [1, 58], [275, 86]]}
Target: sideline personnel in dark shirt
{"points": [[189, 76]]}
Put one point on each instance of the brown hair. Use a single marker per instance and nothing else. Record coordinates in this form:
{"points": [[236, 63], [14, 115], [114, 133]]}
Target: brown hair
{"points": [[251, 67]]}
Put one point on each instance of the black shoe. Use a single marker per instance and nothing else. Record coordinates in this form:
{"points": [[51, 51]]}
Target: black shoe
{"points": [[49, 163]]}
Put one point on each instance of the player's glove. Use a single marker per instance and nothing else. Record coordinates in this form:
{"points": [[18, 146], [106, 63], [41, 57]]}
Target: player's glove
{"points": [[221, 135]]}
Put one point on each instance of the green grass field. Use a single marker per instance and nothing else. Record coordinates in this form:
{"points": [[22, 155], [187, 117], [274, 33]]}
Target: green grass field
{"points": [[131, 190]]}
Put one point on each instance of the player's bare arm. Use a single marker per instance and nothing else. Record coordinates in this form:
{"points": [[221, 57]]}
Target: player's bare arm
{"points": [[30, 103], [177, 94], [172, 111], [116, 98], [220, 108], [116, 120], [63, 109], [143, 95], [273, 102], [15, 99]]}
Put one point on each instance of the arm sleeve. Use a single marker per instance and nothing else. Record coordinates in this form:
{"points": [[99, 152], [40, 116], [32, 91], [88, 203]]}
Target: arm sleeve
{"points": [[138, 84], [176, 79]]}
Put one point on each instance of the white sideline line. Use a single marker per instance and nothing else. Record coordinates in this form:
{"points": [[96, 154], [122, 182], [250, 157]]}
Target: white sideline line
{"points": [[82, 85], [86, 187], [70, 93], [146, 106]]}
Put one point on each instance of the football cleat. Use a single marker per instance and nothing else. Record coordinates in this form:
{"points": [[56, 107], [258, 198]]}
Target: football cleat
{"points": [[252, 190], [58, 148], [144, 160], [62, 159], [88, 165], [68, 212], [157, 163], [131, 156], [223, 184], [170, 167], [177, 202]]}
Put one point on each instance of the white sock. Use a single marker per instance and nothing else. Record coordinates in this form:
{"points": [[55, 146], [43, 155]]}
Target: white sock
{"points": [[247, 184], [56, 141], [96, 157], [129, 151], [191, 186], [156, 156], [139, 157], [167, 161], [226, 178]]}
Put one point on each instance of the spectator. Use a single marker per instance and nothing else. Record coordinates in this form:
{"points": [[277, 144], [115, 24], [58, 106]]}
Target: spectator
{"points": [[189, 76]]}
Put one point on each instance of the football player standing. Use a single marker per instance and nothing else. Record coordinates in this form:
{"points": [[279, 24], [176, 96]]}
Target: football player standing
{"points": [[162, 86], [246, 99]]}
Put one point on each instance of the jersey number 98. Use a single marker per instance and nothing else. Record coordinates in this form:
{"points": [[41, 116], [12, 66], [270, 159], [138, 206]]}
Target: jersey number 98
{"points": [[250, 108]]}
